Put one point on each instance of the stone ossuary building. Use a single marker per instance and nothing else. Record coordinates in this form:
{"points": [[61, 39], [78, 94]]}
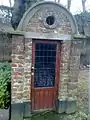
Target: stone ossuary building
{"points": [[46, 52]]}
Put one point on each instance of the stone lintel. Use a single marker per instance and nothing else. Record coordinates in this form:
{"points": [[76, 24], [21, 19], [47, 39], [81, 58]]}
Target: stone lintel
{"points": [[49, 36], [16, 32], [79, 36]]}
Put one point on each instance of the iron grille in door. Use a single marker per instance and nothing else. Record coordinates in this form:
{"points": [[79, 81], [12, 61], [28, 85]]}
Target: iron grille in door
{"points": [[45, 64]]}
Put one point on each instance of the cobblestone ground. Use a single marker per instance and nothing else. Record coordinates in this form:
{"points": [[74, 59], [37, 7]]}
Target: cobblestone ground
{"points": [[4, 114]]}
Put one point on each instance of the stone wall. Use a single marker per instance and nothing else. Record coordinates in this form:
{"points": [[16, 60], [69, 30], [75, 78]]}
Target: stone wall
{"points": [[74, 63], [5, 46], [69, 72], [64, 70], [17, 68], [27, 70], [69, 68], [82, 100], [21, 77], [21, 68]]}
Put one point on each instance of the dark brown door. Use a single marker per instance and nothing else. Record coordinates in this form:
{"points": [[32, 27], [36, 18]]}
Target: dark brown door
{"points": [[45, 74]]}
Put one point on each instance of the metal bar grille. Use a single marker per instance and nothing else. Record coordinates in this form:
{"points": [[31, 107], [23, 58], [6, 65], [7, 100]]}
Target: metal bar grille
{"points": [[45, 64]]}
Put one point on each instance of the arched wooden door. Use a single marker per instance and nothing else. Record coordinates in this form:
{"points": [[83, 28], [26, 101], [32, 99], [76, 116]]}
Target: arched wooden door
{"points": [[45, 74]]}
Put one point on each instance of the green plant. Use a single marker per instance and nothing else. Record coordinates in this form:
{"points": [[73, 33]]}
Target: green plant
{"points": [[5, 78]]}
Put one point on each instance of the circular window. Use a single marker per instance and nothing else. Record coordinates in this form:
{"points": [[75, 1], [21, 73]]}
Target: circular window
{"points": [[50, 20]]}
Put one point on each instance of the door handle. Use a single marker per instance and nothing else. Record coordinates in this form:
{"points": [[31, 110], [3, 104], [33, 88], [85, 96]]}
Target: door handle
{"points": [[32, 73], [32, 68]]}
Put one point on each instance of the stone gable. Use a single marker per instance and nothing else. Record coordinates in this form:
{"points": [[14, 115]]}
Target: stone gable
{"points": [[35, 19]]}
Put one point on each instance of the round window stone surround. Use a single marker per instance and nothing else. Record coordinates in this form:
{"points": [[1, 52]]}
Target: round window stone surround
{"points": [[48, 15]]}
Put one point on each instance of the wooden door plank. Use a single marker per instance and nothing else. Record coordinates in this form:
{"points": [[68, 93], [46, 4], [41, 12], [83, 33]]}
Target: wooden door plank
{"points": [[45, 98]]}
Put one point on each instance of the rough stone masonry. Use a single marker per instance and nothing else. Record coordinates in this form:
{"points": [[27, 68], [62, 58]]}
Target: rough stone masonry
{"points": [[34, 26]]}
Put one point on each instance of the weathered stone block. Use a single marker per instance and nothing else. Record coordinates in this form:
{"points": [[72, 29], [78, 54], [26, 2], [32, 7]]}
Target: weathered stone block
{"points": [[14, 65], [64, 66], [17, 111], [20, 65], [71, 106], [20, 70], [72, 94], [61, 106], [16, 60], [27, 109], [72, 85]]}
